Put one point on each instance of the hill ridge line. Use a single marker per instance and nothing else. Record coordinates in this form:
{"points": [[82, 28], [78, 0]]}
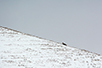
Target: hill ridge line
{"points": [[28, 34], [48, 40]]}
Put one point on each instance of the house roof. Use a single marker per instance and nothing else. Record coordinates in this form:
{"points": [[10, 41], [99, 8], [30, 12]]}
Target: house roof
{"points": [[20, 50]]}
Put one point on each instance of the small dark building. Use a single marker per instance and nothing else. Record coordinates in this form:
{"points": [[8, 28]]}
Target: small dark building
{"points": [[64, 44]]}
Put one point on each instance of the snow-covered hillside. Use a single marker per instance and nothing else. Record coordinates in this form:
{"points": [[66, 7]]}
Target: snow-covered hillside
{"points": [[20, 50]]}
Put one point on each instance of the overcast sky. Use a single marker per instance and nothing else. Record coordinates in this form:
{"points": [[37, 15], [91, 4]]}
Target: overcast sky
{"points": [[75, 22]]}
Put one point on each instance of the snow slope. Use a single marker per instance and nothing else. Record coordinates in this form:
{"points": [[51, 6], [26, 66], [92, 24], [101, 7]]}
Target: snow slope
{"points": [[20, 50]]}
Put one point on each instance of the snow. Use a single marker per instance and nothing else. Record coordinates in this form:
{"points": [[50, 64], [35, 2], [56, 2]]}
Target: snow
{"points": [[20, 50]]}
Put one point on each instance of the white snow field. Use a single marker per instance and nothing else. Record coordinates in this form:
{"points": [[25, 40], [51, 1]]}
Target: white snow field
{"points": [[20, 50]]}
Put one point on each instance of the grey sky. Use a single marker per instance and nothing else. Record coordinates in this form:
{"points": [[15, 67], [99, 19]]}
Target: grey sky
{"points": [[76, 22]]}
